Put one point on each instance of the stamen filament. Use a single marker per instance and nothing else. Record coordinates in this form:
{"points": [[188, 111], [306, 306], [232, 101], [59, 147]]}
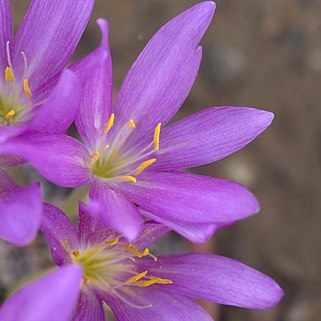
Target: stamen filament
{"points": [[25, 64], [144, 165], [8, 54], [153, 257], [110, 123], [9, 74], [157, 136]]}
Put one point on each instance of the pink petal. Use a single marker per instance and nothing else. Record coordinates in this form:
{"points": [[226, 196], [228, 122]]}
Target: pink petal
{"points": [[48, 36], [51, 298], [115, 210], [61, 159], [5, 33], [57, 114], [217, 278], [191, 198], [95, 73], [60, 233], [209, 135], [160, 79], [21, 211]]}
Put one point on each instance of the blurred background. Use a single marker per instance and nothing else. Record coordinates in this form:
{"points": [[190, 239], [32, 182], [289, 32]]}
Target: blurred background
{"points": [[264, 54]]}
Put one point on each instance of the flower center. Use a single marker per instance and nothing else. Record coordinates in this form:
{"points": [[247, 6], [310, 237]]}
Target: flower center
{"points": [[15, 93], [111, 163], [111, 267]]}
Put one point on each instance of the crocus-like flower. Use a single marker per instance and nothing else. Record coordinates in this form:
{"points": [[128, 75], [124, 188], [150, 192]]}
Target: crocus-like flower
{"points": [[35, 93], [51, 298], [131, 158], [21, 210], [137, 285]]}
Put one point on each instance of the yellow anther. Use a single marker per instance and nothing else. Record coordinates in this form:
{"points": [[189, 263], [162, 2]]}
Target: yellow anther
{"points": [[152, 280], [132, 249], [86, 279], [160, 280], [112, 242], [10, 115], [76, 254], [66, 246], [107, 146], [9, 75], [128, 178], [145, 283], [132, 124], [110, 123], [157, 136], [145, 252], [94, 157], [136, 278], [144, 165], [26, 88]]}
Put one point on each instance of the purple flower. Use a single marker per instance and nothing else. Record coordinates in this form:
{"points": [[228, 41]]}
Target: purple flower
{"points": [[21, 210], [134, 283], [131, 158], [35, 93], [51, 298]]}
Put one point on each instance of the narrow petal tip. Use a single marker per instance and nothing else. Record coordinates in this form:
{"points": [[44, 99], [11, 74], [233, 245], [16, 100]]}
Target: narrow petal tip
{"points": [[103, 25], [208, 7], [271, 298], [269, 117]]}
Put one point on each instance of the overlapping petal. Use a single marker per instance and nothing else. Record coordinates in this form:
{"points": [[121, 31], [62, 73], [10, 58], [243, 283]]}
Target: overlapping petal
{"points": [[150, 232], [61, 159], [160, 79], [195, 232], [163, 306], [95, 73], [5, 32], [48, 36], [60, 234], [88, 308], [8, 132], [209, 135], [57, 114], [219, 279], [191, 198], [91, 228], [51, 298], [21, 211], [116, 210]]}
